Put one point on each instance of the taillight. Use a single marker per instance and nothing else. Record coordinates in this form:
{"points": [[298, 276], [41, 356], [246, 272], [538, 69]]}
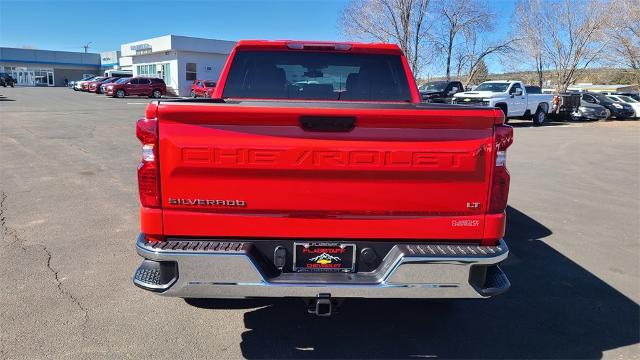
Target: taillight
{"points": [[148, 170], [503, 135]]}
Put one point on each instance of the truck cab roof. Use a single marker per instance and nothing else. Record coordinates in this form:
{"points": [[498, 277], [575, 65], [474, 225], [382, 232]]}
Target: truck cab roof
{"points": [[319, 46]]}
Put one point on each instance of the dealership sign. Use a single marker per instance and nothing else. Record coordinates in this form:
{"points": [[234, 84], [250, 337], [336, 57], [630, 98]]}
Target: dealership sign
{"points": [[141, 48], [109, 58]]}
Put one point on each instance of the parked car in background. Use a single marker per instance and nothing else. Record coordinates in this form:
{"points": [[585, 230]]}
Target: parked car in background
{"points": [[635, 104], [440, 91], [103, 87], [589, 111], [85, 84], [618, 110], [634, 96], [202, 88], [140, 86], [95, 86], [7, 80], [77, 85], [511, 97]]}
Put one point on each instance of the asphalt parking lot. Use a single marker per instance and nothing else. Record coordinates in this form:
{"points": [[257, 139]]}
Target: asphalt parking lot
{"points": [[69, 220]]}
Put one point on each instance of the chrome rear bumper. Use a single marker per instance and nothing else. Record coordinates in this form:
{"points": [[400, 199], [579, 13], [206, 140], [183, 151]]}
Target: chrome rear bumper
{"points": [[224, 269]]}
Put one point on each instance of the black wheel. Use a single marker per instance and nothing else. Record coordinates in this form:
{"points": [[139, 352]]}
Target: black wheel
{"points": [[12, 84], [157, 94], [120, 94], [539, 117], [193, 94]]}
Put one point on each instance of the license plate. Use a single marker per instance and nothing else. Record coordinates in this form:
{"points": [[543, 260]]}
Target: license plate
{"points": [[324, 257]]}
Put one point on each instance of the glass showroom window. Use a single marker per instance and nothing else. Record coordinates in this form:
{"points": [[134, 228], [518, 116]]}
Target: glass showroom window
{"points": [[147, 70], [30, 76], [191, 72]]}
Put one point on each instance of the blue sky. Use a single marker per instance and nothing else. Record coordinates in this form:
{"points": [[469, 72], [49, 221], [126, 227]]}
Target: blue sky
{"points": [[67, 25]]}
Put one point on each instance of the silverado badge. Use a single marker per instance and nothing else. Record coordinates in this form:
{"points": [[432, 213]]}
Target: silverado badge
{"points": [[208, 202]]}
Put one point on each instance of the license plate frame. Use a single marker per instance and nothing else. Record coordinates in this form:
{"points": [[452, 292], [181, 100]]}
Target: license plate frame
{"points": [[321, 257]]}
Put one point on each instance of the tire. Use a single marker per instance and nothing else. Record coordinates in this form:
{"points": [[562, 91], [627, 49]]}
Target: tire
{"points": [[120, 94], [156, 94], [608, 116], [539, 117], [12, 85], [193, 94]]}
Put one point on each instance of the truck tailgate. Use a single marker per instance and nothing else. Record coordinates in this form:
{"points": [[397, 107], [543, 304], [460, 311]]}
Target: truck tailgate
{"points": [[249, 169]]}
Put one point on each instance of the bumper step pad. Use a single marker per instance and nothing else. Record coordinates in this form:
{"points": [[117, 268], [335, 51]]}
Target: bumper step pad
{"points": [[148, 276], [156, 275], [496, 282], [441, 250], [197, 246]]}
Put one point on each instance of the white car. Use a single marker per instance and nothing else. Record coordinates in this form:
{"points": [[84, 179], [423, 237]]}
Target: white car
{"points": [[635, 104], [511, 97]]}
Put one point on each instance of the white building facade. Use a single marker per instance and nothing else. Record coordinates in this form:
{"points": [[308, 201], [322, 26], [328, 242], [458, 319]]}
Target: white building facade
{"points": [[178, 60]]}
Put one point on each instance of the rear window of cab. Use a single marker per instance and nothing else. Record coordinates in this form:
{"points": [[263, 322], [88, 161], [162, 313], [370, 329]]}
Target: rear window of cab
{"points": [[309, 75]]}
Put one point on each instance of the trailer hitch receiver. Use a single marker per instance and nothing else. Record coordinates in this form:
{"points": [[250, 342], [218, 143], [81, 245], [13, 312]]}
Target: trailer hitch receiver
{"points": [[321, 305]]}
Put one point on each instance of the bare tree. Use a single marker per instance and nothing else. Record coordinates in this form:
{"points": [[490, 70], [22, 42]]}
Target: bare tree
{"points": [[479, 50], [530, 34], [572, 34], [403, 22], [460, 18], [461, 60], [625, 35]]}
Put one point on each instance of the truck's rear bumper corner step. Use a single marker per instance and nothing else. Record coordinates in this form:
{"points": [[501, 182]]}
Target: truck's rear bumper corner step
{"points": [[156, 276], [495, 282]]}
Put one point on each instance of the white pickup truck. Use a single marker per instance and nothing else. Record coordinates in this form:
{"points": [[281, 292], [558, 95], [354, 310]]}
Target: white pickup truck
{"points": [[511, 97]]}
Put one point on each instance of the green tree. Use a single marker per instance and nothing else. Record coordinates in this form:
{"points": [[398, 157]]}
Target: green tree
{"points": [[481, 73]]}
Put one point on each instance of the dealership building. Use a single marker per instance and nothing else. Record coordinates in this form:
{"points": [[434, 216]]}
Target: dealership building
{"points": [[47, 68], [178, 60]]}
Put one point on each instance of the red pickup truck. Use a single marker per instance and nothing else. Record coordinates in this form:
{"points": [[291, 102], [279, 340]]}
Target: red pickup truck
{"points": [[202, 88], [315, 172]]}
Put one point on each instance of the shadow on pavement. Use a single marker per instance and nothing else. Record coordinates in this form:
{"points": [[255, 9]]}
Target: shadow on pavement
{"points": [[529, 123], [555, 309]]}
